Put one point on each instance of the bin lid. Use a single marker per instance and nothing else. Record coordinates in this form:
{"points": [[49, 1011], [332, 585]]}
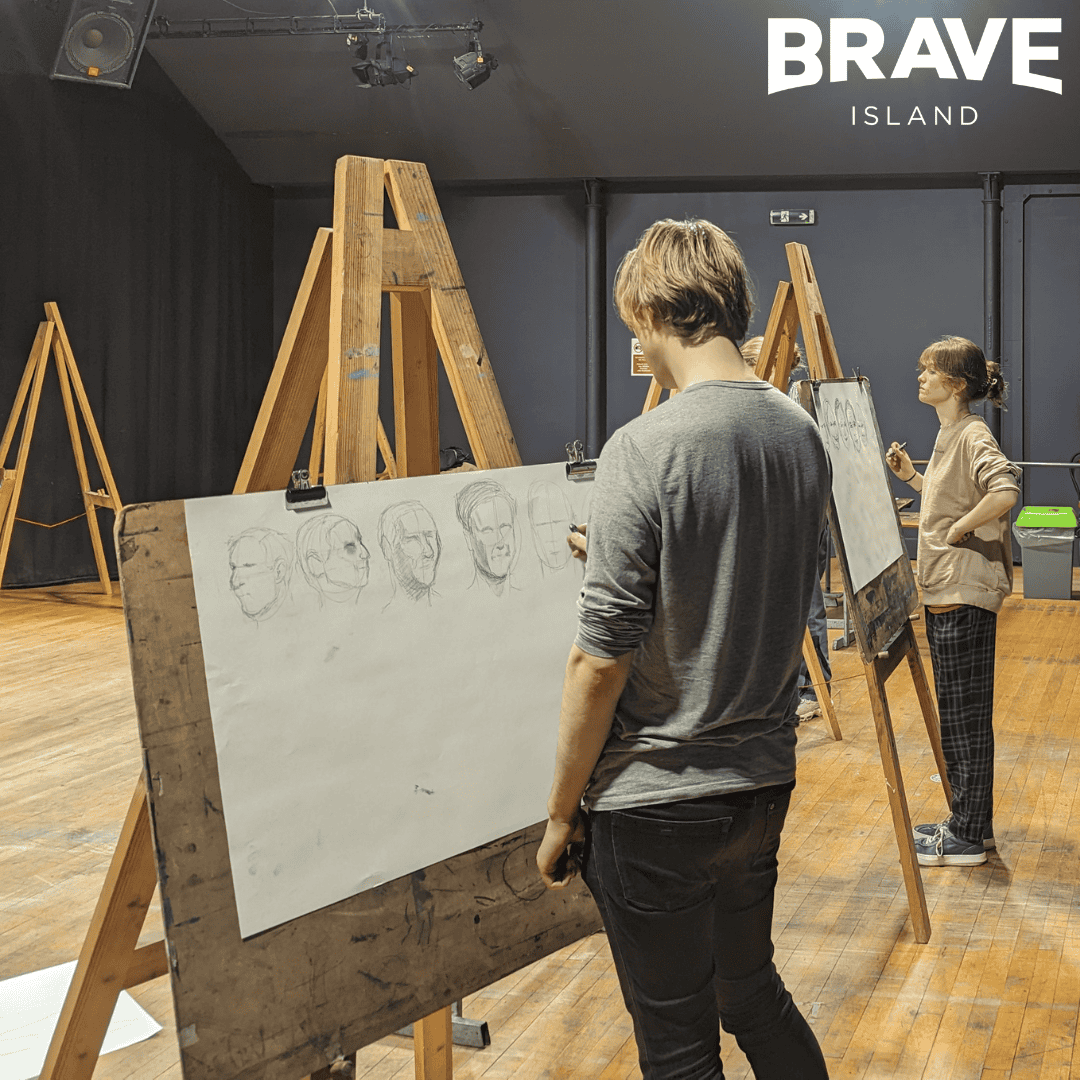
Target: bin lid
{"points": [[1061, 517]]}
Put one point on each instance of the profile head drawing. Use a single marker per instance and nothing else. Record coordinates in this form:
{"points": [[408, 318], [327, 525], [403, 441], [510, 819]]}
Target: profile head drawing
{"points": [[260, 565], [332, 557], [488, 516], [550, 516], [410, 543]]}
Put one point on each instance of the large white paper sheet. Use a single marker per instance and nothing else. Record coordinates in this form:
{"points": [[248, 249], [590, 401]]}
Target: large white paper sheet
{"points": [[384, 675], [861, 492], [30, 1006]]}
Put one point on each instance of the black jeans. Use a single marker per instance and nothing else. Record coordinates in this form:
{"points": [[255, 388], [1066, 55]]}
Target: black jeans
{"points": [[685, 890]]}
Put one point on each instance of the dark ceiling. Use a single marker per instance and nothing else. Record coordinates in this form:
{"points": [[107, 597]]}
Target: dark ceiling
{"points": [[620, 89]]}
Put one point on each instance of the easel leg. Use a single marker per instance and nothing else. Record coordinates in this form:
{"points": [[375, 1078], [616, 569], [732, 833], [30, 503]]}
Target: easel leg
{"points": [[39, 358], [930, 717], [433, 1046], [318, 436], [20, 396], [106, 957], [652, 396], [777, 356], [416, 384], [890, 763], [65, 375], [352, 404], [817, 677]]}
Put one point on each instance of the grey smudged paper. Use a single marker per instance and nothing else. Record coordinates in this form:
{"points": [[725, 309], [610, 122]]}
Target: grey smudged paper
{"points": [[384, 674]]}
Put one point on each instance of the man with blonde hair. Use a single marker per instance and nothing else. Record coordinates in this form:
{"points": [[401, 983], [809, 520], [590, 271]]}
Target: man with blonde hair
{"points": [[678, 716]]}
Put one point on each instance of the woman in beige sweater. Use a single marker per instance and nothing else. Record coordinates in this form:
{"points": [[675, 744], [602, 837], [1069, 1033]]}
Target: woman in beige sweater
{"points": [[964, 573]]}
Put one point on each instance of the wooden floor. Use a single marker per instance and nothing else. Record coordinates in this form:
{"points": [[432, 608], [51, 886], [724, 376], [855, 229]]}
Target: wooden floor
{"points": [[994, 995]]}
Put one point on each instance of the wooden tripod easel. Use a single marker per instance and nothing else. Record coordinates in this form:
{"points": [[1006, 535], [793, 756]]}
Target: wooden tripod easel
{"points": [[798, 303], [331, 342], [52, 338]]}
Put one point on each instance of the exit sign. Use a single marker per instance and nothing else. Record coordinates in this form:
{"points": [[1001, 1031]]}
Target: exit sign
{"points": [[791, 217]]}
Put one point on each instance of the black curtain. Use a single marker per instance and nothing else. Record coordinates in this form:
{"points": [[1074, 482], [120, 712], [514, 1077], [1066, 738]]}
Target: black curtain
{"points": [[124, 208]]}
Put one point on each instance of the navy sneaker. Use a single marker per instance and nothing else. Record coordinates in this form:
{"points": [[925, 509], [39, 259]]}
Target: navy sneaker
{"points": [[941, 848], [989, 843]]}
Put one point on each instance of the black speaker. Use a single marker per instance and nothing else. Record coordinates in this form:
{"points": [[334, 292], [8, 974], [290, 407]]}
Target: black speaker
{"points": [[103, 41]]}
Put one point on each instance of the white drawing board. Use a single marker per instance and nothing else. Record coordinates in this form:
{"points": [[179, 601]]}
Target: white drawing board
{"points": [[384, 680], [860, 487]]}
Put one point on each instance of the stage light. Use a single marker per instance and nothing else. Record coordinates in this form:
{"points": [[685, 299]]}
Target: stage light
{"points": [[475, 66], [385, 70]]}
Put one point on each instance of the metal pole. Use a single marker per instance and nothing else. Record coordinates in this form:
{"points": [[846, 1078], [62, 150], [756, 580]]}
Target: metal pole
{"points": [[992, 283], [595, 319]]}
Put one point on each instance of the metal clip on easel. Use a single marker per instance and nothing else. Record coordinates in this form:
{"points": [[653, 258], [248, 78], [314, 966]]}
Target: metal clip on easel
{"points": [[578, 467], [301, 495]]}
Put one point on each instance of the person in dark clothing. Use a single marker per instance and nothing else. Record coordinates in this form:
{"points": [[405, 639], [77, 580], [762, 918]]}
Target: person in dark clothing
{"points": [[678, 716]]}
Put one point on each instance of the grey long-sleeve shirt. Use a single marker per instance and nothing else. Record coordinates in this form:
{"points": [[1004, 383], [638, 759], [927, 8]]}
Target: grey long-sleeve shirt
{"points": [[703, 541]]}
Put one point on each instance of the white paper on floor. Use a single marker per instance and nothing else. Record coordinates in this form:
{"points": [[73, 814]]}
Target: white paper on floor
{"points": [[30, 1005]]}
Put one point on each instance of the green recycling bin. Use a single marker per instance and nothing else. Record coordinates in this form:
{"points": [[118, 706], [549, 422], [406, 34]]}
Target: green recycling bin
{"points": [[1045, 535]]}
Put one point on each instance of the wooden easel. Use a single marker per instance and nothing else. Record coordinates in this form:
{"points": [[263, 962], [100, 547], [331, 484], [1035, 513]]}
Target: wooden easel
{"points": [[882, 629], [52, 338], [331, 342]]}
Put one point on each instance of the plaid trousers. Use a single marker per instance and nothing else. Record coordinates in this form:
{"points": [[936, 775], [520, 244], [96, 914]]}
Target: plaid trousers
{"points": [[962, 655]]}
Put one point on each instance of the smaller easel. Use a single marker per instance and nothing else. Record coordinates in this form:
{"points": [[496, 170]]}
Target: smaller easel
{"points": [[52, 338], [879, 610]]}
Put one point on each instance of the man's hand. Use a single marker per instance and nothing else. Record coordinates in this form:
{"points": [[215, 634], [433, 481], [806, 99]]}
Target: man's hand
{"points": [[557, 863], [577, 541]]}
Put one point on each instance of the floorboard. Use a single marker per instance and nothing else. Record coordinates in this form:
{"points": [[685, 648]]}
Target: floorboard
{"points": [[994, 995]]}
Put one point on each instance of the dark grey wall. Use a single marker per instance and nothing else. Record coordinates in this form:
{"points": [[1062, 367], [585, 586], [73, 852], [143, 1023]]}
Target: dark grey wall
{"points": [[1042, 275], [522, 260], [896, 269]]}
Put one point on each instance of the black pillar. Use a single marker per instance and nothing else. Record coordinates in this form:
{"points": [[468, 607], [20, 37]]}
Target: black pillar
{"points": [[596, 301], [992, 282]]}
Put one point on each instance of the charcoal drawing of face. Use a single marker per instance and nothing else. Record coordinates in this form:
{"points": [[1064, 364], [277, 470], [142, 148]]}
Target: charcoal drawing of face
{"points": [[410, 542], [488, 516], [332, 557], [260, 564], [549, 517]]}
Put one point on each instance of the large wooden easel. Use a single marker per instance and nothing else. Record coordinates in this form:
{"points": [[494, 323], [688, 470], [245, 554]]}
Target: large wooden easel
{"points": [[880, 611], [329, 360], [52, 339]]}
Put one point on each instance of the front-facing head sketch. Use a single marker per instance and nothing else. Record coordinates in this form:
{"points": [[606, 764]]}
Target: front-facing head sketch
{"points": [[409, 540], [332, 557], [550, 516], [260, 564], [488, 516]]}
